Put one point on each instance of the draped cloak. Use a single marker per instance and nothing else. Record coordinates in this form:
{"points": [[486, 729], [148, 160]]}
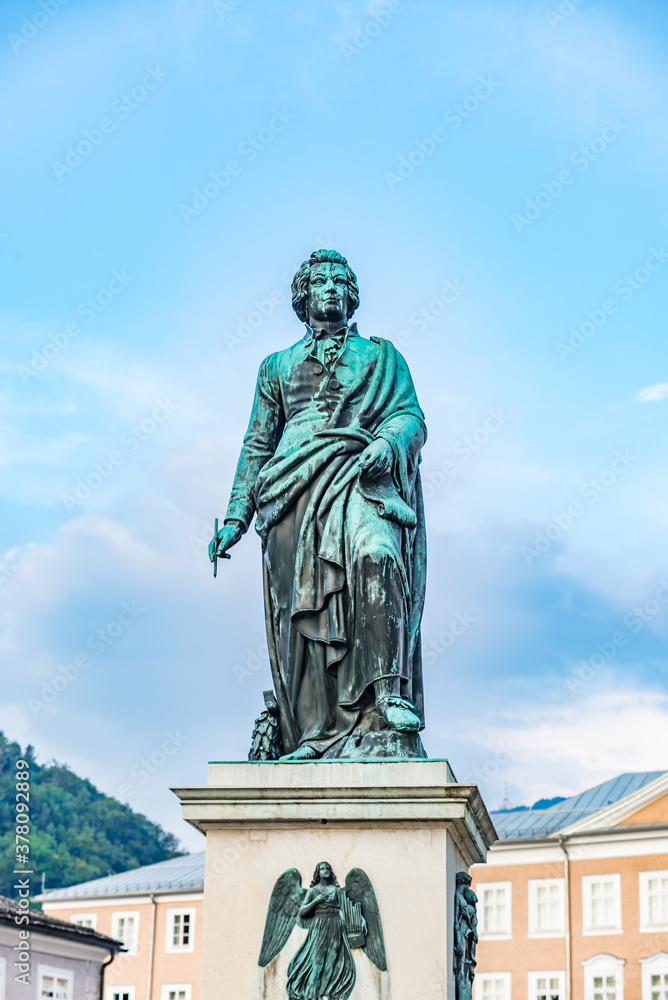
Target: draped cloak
{"points": [[344, 554]]}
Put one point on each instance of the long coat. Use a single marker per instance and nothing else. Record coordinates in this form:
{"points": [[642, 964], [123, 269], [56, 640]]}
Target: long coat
{"points": [[344, 554]]}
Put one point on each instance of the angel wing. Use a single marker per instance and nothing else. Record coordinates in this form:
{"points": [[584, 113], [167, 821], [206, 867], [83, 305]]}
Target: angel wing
{"points": [[359, 890], [286, 898]]}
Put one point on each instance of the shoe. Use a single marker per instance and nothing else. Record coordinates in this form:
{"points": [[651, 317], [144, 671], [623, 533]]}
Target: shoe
{"points": [[304, 752], [399, 713]]}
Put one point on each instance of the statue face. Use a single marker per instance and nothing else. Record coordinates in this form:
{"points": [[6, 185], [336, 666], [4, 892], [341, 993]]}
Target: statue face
{"points": [[324, 870], [328, 293]]}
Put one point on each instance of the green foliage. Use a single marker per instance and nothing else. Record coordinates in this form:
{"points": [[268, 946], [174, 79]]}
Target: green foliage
{"points": [[76, 832]]}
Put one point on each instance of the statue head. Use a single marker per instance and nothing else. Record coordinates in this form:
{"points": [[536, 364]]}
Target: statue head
{"points": [[463, 880], [324, 289], [323, 873]]}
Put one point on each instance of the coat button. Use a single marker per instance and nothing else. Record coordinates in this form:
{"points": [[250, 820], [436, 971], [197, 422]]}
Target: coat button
{"points": [[334, 383], [318, 369], [332, 404]]}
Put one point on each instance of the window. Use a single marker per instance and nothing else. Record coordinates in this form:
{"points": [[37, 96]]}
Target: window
{"points": [[85, 920], [601, 904], [655, 977], [547, 985], [492, 986], [121, 993], [176, 991], [494, 909], [547, 913], [653, 901], [604, 978], [54, 984], [180, 930], [125, 928]]}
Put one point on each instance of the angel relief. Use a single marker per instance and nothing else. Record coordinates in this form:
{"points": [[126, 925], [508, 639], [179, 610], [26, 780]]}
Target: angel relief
{"points": [[337, 920]]}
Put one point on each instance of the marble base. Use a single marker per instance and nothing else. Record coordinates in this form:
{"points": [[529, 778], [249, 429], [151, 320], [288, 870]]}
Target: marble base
{"points": [[407, 824]]}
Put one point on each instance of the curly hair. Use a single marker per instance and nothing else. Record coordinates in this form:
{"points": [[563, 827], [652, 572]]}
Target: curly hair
{"points": [[301, 280], [316, 874]]}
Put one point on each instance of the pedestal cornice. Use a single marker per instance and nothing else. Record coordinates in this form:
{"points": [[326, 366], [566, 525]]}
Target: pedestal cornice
{"points": [[375, 793]]}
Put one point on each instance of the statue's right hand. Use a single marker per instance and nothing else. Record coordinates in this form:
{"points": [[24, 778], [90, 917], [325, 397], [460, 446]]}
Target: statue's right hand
{"points": [[228, 536]]}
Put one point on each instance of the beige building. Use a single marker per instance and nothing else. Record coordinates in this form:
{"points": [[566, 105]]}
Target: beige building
{"points": [[156, 911], [573, 900]]}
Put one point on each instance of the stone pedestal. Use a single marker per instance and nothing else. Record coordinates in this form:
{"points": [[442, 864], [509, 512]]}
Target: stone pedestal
{"points": [[407, 824]]}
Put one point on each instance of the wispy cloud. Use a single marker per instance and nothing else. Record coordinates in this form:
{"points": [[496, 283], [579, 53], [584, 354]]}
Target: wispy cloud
{"points": [[653, 393]]}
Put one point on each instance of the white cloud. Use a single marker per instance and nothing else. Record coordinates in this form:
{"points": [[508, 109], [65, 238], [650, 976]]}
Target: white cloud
{"points": [[653, 393], [565, 751]]}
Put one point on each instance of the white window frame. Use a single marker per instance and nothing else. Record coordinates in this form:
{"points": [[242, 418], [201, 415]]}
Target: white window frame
{"points": [[171, 948], [115, 917], [588, 929], [643, 888], [76, 918], [480, 978], [657, 963], [51, 970], [534, 884], [604, 965], [3, 977], [164, 995], [130, 990], [495, 935], [558, 974]]}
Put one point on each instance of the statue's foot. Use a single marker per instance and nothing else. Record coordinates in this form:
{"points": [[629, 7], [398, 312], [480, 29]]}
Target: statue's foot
{"points": [[399, 713], [304, 752]]}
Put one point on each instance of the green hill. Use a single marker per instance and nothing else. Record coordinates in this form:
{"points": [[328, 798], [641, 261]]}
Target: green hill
{"points": [[76, 832]]}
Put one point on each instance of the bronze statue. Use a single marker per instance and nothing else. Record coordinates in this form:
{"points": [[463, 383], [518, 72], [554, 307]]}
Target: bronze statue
{"points": [[330, 468], [337, 921], [466, 936]]}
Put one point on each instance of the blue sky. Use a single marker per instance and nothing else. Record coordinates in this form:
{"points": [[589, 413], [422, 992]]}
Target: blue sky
{"points": [[495, 174]]}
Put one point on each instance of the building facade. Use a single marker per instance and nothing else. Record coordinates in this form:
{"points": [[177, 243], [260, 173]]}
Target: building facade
{"points": [[573, 900], [50, 959], [156, 911]]}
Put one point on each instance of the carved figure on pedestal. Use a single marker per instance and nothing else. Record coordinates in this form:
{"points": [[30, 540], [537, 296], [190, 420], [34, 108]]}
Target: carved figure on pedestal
{"points": [[465, 936], [330, 469], [337, 920]]}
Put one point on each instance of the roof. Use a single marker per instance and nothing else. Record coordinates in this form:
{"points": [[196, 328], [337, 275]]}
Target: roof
{"points": [[185, 872], [10, 909], [527, 823]]}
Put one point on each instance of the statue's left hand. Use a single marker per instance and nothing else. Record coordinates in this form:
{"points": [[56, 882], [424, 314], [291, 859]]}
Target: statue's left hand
{"points": [[376, 459]]}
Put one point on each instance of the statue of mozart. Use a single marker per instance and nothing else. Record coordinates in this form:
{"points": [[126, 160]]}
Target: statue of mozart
{"points": [[330, 469]]}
